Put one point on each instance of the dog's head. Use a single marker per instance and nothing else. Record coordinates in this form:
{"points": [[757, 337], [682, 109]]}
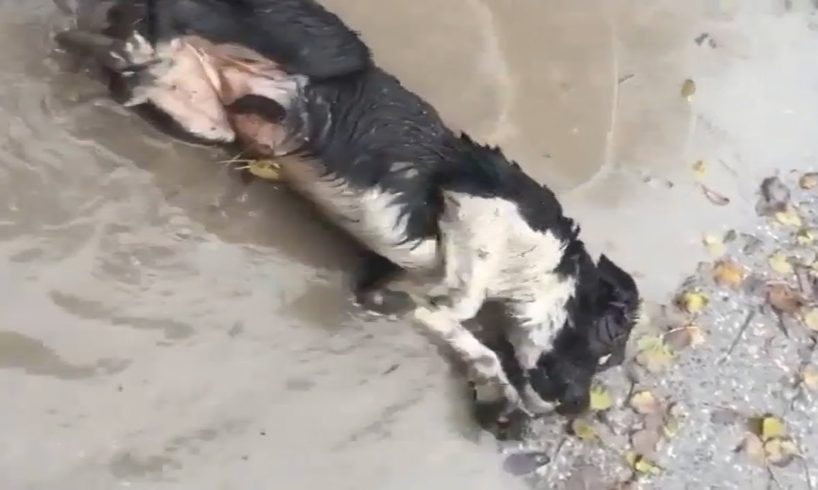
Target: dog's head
{"points": [[616, 310], [599, 320]]}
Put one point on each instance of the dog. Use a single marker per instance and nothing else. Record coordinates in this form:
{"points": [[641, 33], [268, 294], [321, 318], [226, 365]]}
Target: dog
{"points": [[505, 238], [290, 81]]}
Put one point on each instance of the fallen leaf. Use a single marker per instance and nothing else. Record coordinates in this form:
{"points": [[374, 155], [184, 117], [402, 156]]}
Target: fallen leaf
{"points": [[583, 430], [264, 169], [601, 398], [640, 464], [780, 263], [653, 354], [645, 402], [811, 319], [693, 301], [774, 197], [780, 452], [671, 427], [683, 337], [645, 441], [714, 245], [715, 197], [772, 427], [784, 299], [809, 180], [688, 89], [790, 217], [700, 169], [754, 448], [728, 273], [810, 378], [730, 236], [805, 237]]}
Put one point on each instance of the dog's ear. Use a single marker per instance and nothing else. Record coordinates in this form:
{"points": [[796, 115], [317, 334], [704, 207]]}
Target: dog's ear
{"points": [[617, 287]]}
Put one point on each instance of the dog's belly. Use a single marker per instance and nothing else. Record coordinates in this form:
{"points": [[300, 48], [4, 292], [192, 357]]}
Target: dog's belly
{"points": [[371, 215]]}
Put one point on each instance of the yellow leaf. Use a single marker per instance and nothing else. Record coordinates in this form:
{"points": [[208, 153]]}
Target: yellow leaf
{"points": [[780, 452], [693, 301], [688, 89], [601, 398], [780, 263], [645, 403], [772, 427], [808, 181], [789, 217], [583, 430], [653, 354], [714, 245], [700, 169], [811, 319], [264, 169], [805, 237], [640, 464], [728, 274]]}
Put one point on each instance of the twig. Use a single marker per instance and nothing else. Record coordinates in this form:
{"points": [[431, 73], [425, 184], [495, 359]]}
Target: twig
{"points": [[740, 334]]}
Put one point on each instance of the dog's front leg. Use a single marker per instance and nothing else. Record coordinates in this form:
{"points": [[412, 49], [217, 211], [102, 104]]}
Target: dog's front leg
{"points": [[491, 383]]}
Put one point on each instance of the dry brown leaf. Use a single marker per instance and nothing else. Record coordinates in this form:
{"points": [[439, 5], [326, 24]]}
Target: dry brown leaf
{"points": [[688, 89], [645, 441], [728, 273], [645, 403], [811, 319], [693, 301], [784, 299], [754, 448], [683, 337], [715, 197], [809, 180], [780, 263]]}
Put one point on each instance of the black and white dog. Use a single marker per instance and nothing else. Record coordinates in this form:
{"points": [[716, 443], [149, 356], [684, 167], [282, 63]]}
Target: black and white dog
{"points": [[289, 80]]}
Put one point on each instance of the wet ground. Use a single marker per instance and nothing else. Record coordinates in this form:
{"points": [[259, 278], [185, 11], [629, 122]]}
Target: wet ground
{"points": [[165, 326]]}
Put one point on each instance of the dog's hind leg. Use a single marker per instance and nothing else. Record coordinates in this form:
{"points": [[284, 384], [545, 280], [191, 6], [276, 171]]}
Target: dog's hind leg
{"points": [[374, 273]]}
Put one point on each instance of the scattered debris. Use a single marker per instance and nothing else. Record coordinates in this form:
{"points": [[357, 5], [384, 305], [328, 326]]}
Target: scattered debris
{"points": [[654, 355], [809, 181], [728, 273], [700, 169], [774, 197], [688, 89], [715, 197], [601, 398]]}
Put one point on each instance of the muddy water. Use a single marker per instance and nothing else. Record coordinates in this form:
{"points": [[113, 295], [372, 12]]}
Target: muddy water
{"points": [[165, 325]]}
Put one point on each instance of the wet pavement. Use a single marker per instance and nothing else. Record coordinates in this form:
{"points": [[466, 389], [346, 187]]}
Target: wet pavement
{"points": [[164, 325]]}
